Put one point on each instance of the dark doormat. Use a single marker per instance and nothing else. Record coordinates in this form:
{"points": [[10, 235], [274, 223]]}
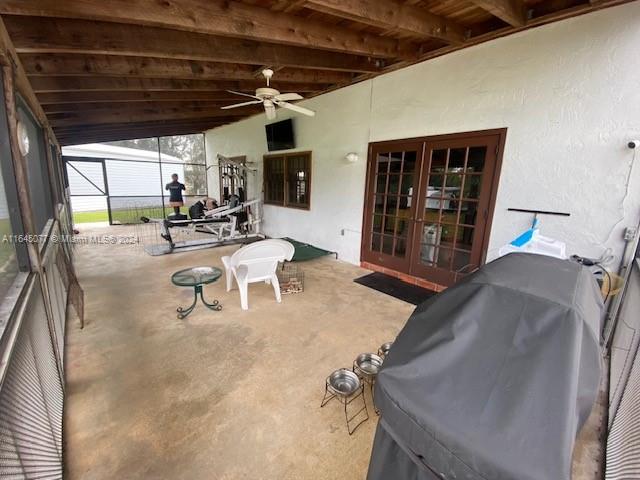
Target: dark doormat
{"points": [[396, 288]]}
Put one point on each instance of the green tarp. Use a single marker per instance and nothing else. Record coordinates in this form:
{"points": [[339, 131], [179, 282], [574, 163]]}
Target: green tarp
{"points": [[305, 252]]}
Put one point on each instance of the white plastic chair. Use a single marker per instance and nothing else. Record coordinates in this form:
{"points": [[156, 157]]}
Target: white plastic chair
{"points": [[257, 262]]}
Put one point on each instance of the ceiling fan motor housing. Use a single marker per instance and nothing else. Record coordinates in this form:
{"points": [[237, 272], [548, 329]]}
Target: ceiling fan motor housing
{"points": [[266, 92]]}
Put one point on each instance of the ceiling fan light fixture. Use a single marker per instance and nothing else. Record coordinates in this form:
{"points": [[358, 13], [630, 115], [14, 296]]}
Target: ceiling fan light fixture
{"points": [[270, 98]]}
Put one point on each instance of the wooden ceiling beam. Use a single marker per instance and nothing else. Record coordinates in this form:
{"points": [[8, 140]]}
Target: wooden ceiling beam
{"points": [[46, 35], [91, 135], [512, 12], [158, 125], [49, 98], [110, 65], [135, 116], [150, 128], [219, 17], [124, 105], [70, 84], [393, 14]]}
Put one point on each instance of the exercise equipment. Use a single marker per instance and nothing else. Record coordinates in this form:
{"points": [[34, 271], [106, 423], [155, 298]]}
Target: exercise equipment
{"points": [[229, 224]]}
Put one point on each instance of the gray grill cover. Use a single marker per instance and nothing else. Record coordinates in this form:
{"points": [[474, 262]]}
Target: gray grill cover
{"points": [[493, 378]]}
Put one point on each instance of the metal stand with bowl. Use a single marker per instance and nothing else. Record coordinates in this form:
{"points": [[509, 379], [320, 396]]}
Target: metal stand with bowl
{"points": [[345, 385], [348, 385], [366, 366]]}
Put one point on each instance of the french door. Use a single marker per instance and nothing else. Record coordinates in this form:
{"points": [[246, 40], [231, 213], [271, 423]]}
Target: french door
{"points": [[393, 179], [429, 202]]}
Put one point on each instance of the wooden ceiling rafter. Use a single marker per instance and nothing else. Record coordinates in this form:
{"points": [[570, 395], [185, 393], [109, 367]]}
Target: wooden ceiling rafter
{"points": [[225, 18], [72, 36], [395, 15], [104, 69], [102, 134], [125, 116], [36, 64], [96, 83], [137, 106], [513, 12], [132, 96]]}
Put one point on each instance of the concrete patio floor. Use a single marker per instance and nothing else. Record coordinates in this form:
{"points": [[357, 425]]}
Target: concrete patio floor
{"points": [[219, 395]]}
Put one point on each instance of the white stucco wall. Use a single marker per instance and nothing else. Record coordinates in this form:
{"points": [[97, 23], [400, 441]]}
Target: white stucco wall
{"points": [[569, 94]]}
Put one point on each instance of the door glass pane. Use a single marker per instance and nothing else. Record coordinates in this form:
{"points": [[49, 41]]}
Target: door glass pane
{"points": [[477, 156], [409, 162], [404, 206], [389, 225], [379, 205], [387, 244], [461, 260], [468, 213], [406, 184], [464, 238], [396, 162], [456, 159], [453, 183], [401, 247], [402, 226], [472, 185], [377, 224], [376, 242], [449, 215], [430, 240], [448, 232], [392, 205], [438, 161], [443, 258], [394, 185], [381, 184], [434, 202], [428, 254], [383, 164], [434, 187]]}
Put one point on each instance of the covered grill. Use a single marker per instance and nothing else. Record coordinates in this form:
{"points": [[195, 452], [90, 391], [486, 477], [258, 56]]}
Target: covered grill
{"points": [[493, 378]]}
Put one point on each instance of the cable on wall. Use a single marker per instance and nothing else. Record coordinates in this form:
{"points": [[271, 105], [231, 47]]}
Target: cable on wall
{"points": [[626, 192]]}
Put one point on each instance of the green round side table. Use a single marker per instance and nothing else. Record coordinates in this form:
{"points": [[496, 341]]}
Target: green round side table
{"points": [[196, 277]]}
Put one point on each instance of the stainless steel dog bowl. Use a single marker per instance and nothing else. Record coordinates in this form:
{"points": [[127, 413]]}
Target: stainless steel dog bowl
{"points": [[384, 349], [368, 364], [343, 382]]}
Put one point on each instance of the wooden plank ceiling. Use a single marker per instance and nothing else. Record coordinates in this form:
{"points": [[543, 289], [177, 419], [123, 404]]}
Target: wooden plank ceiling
{"points": [[115, 69]]}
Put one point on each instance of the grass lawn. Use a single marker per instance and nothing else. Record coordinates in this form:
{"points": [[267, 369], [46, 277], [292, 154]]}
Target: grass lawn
{"points": [[90, 217], [125, 215]]}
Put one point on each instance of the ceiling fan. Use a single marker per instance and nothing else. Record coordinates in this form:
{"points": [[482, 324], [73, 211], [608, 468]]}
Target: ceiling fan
{"points": [[270, 97]]}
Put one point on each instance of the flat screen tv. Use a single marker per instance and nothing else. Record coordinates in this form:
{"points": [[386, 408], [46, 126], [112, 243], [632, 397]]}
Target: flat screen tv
{"points": [[280, 135]]}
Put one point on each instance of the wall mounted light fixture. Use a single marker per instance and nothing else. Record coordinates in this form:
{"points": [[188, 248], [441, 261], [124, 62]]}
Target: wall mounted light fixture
{"points": [[23, 138], [351, 157]]}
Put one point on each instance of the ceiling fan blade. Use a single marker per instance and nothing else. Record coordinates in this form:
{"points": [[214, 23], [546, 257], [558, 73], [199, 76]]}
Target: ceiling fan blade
{"points": [[236, 105], [286, 97], [244, 94], [270, 110], [295, 108]]}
